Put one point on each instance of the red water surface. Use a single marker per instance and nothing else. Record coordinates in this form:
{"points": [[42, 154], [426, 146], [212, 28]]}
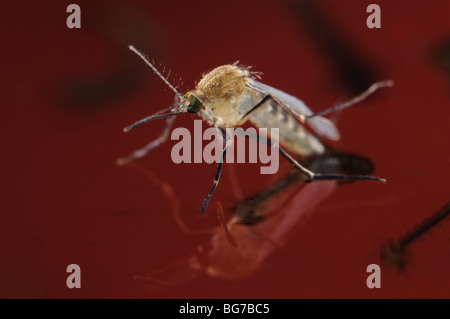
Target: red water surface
{"points": [[67, 94]]}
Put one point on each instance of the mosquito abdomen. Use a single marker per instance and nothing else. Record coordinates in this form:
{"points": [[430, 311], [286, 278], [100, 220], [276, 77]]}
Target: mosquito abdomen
{"points": [[292, 134]]}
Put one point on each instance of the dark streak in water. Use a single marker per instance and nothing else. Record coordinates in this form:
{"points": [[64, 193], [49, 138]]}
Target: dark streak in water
{"points": [[441, 57], [118, 26], [353, 70], [396, 253]]}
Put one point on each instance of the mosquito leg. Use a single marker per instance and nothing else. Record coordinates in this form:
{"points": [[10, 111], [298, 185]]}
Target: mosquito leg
{"points": [[236, 187], [310, 175], [348, 177], [143, 151], [317, 176], [355, 100], [256, 107], [218, 171]]}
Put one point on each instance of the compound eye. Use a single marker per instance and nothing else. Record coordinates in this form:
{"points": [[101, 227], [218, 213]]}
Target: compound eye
{"points": [[194, 106]]}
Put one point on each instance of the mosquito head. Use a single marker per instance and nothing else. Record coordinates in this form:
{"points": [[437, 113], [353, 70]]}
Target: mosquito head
{"points": [[194, 105]]}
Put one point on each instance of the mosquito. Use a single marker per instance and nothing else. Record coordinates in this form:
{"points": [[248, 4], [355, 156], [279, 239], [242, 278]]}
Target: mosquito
{"points": [[230, 95]]}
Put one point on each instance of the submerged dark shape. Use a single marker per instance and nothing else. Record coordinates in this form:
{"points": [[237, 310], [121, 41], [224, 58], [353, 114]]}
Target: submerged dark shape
{"points": [[352, 69], [397, 253]]}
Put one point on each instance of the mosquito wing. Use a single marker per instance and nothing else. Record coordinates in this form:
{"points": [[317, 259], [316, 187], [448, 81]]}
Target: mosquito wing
{"points": [[296, 107]]}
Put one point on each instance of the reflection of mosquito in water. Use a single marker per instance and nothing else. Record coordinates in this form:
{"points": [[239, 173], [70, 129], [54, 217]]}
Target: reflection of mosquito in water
{"points": [[259, 226], [229, 95], [397, 253]]}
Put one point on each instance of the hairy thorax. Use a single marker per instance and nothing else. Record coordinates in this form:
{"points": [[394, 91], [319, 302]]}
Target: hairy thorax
{"points": [[225, 95]]}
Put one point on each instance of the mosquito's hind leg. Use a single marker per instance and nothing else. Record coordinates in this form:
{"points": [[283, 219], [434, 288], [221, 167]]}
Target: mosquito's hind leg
{"points": [[310, 175], [218, 171], [155, 143], [353, 101]]}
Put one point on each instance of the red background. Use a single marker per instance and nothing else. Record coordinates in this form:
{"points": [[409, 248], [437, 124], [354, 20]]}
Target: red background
{"points": [[67, 94]]}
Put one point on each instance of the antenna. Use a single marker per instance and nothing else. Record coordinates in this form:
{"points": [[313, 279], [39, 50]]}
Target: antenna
{"points": [[144, 58]]}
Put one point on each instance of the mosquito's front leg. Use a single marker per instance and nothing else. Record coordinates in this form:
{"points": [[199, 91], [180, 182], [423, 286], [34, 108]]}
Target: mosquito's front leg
{"points": [[218, 170], [155, 143]]}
